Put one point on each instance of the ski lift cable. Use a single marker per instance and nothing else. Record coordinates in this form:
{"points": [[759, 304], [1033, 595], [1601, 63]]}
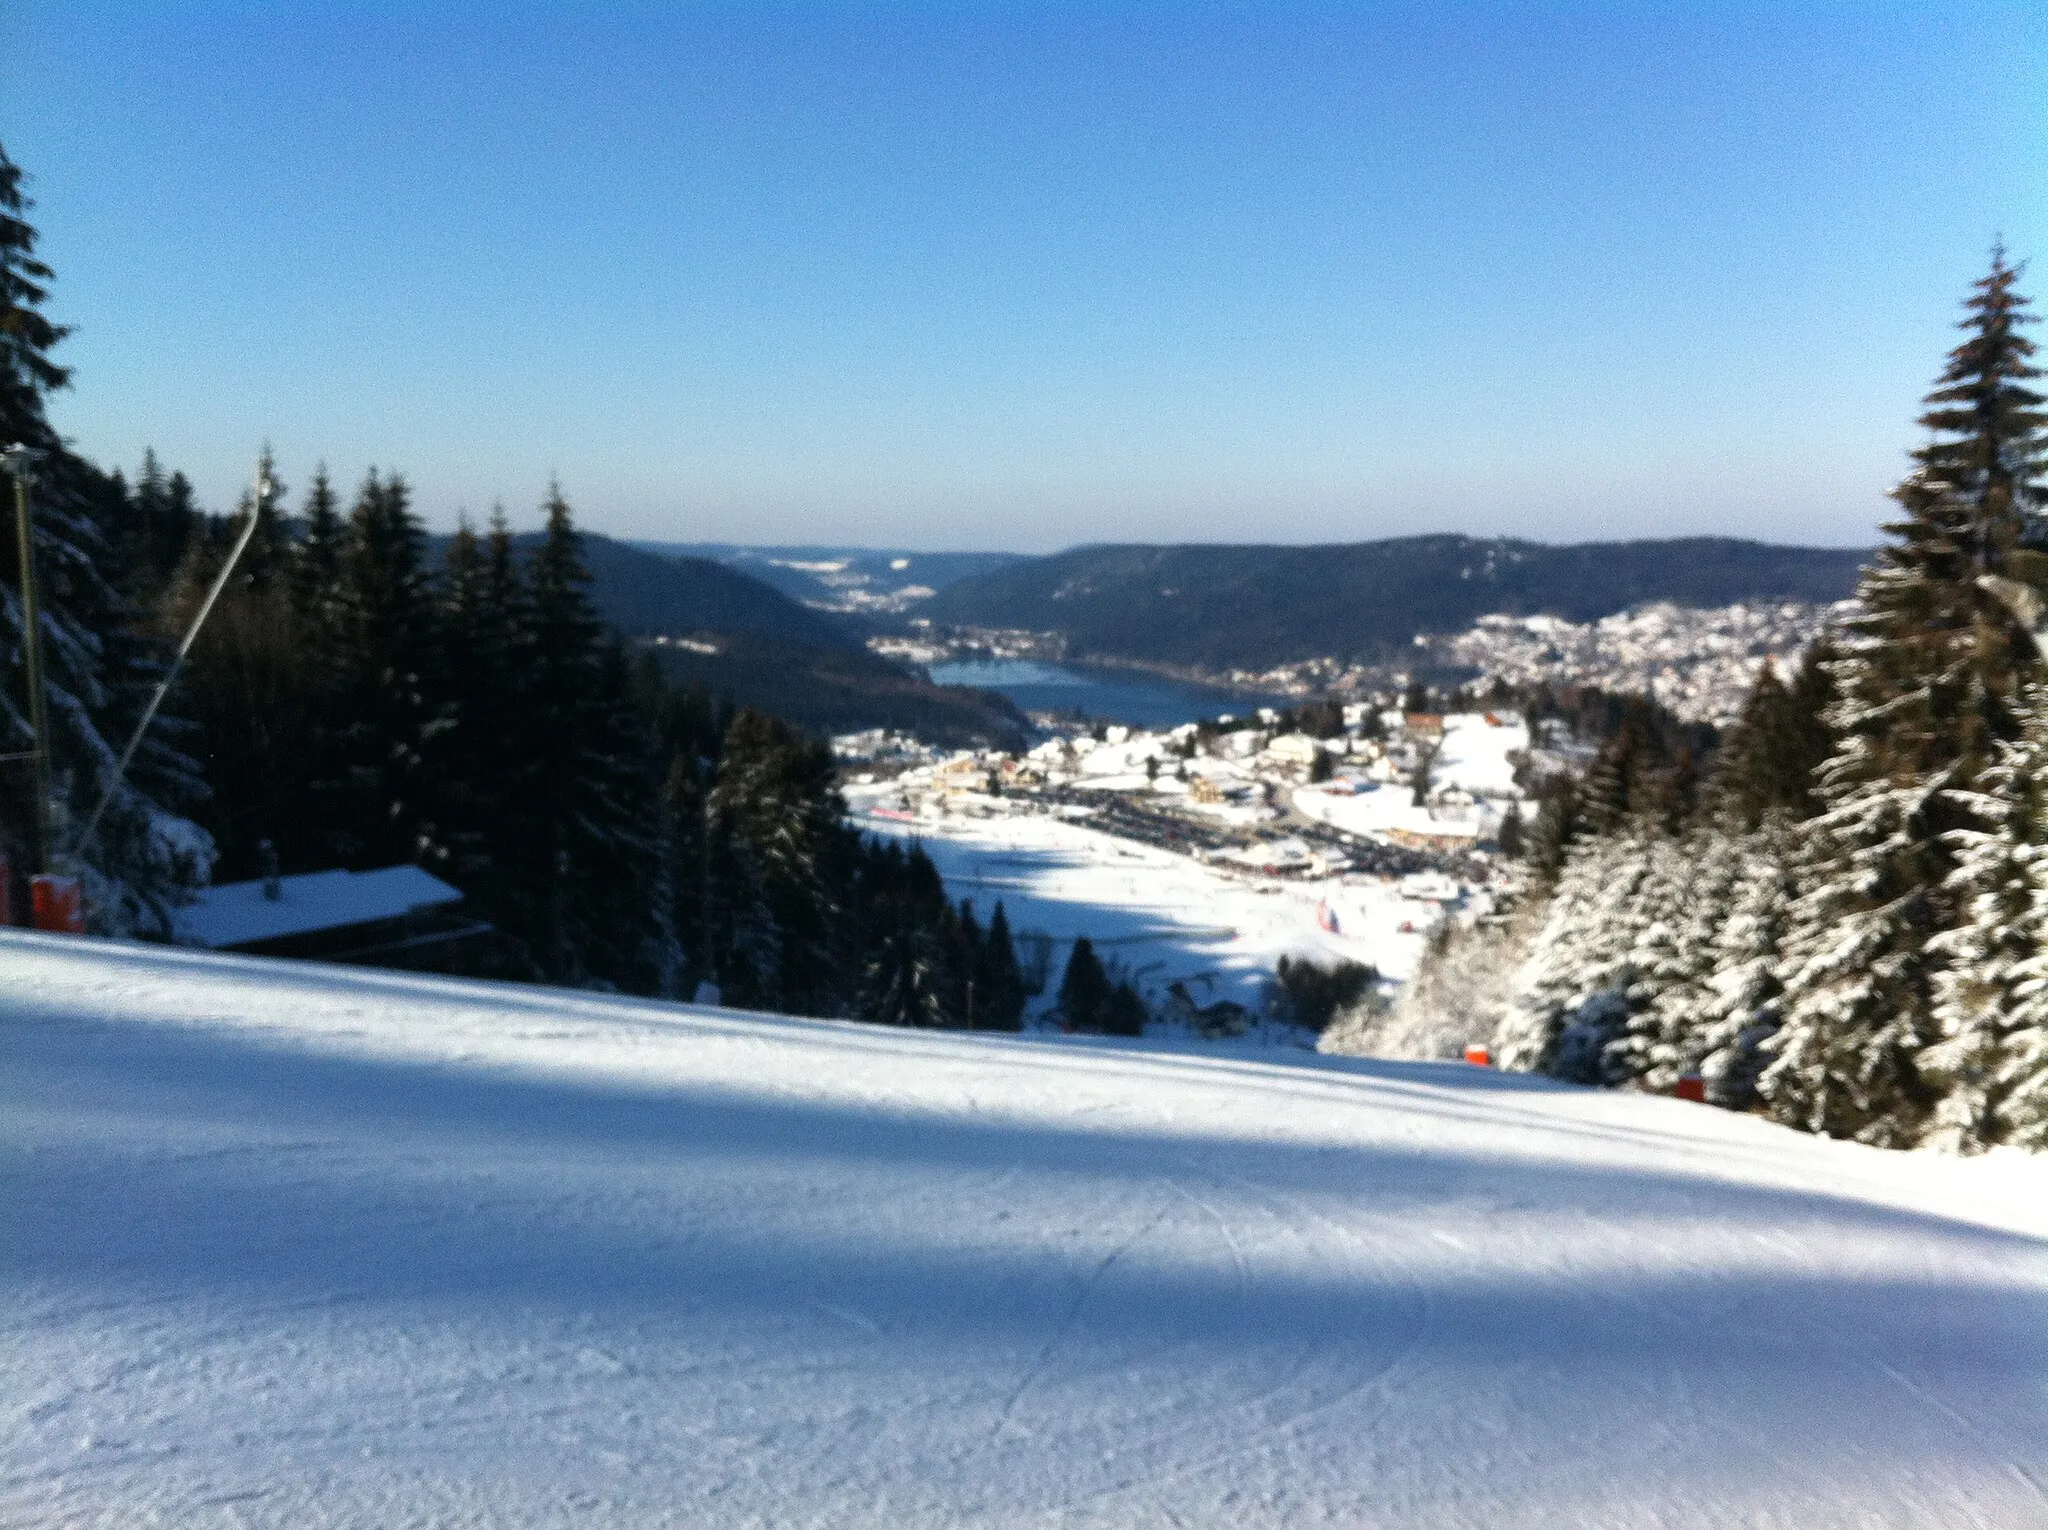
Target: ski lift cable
{"points": [[263, 488]]}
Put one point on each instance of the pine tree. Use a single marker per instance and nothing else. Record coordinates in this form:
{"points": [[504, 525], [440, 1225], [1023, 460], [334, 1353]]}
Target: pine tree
{"points": [[1635, 775], [780, 856], [1717, 999], [1927, 683], [159, 525], [629, 945], [904, 981], [480, 628], [1510, 834], [1085, 990], [263, 562], [1676, 959], [485, 621], [1558, 826], [1768, 761], [686, 830], [1546, 986], [1124, 1013], [386, 709], [1991, 1003], [999, 983], [248, 687], [98, 668], [314, 566], [582, 806], [1626, 922], [1857, 972], [1742, 1014], [965, 958], [1573, 997]]}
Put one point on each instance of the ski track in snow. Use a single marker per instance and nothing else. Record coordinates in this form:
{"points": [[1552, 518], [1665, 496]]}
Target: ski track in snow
{"points": [[288, 1245]]}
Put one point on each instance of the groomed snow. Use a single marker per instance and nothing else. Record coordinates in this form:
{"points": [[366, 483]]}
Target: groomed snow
{"points": [[302, 1246], [1479, 755], [1162, 916]]}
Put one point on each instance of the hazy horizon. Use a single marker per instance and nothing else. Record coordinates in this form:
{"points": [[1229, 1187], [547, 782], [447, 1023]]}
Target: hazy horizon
{"points": [[949, 551]]}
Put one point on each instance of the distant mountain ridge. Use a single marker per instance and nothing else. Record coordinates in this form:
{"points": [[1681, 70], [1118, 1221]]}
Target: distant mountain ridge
{"points": [[1221, 607], [647, 594], [878, 581], [761, 648]]}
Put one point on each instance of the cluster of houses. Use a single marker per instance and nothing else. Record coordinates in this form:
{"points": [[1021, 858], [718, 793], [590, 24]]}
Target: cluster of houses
{"points": [[1415, 780], [1697, 663], [1419, 780]]}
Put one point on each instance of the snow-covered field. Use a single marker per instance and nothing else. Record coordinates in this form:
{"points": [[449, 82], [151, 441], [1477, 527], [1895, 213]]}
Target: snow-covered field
{"points": [[1475, 755], [1161, 915], [303, 1246]]}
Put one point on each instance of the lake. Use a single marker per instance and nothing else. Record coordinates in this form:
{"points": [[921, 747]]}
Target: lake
{"points": [[1148, 703]]}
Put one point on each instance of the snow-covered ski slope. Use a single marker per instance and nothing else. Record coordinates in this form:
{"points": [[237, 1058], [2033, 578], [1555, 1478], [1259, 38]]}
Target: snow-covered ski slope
{"points": [[301, 1246]]}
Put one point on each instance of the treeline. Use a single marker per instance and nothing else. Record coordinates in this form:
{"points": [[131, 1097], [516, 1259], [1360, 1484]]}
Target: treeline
{"points": [[1223, 608], [1846, 923], [357, 705], [354, 702]]}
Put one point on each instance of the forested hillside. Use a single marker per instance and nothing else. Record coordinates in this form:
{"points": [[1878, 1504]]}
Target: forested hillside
{"points": [[844, 578], [641, 593], [1225, 607], [1849, 930], [356, 700], [759, 647], [836, 690]]}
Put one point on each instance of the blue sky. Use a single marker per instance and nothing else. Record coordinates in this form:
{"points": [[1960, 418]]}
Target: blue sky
{"points": [[984, 276]]}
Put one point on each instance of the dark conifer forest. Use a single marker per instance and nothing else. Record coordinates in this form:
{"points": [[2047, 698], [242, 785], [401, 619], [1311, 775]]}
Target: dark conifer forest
{"points": [[355, 702]]}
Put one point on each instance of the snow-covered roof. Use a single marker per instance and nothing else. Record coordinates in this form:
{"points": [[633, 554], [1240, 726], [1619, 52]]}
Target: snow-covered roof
{"points": [[237, 913]]}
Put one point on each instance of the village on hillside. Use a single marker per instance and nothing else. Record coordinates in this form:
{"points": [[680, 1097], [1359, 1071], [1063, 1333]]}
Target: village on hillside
{"points": [[1201, 854], [1696, 662]]}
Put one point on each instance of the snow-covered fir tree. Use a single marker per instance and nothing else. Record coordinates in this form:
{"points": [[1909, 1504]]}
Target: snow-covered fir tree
{"points": [[99, 670], [1740, 1014], [1991, 996], [1457, 997], [776, 870], [1678, 958], [1573, 995], [1858, 975], [1927, 681], [1545, 984]]}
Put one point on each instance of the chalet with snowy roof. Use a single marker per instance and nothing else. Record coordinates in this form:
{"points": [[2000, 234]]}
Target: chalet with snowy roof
{"points": [[397, 916], [964, 773], [1295, 749]]}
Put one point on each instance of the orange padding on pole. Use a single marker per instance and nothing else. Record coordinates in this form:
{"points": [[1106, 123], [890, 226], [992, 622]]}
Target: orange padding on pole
{"points": [[1479, 1057], [1692, 1087], [58, 904]]}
